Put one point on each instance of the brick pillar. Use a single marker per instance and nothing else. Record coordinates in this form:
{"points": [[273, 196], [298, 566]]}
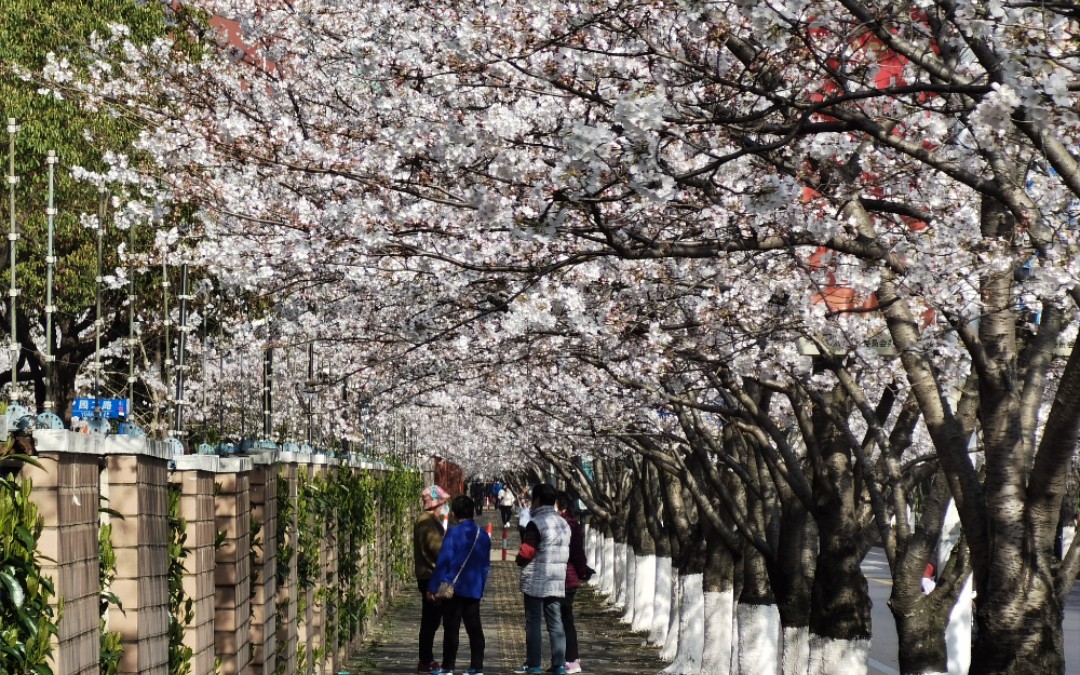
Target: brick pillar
{"points": [[286, 589], [137, 487], [350, 581], [195, 474], [264, 615], [232, 594], [319, 616], [368, 559], [386, 548], [332, 627], [306, 619], [66, 494]]}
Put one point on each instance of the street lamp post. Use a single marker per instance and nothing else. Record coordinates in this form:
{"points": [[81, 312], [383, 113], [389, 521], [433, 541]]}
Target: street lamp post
{"points": [[13, 238]]}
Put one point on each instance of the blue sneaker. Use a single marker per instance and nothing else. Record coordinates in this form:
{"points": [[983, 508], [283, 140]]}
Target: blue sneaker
{"points": [[474, 671], [529, 669], [443, 671], [559, 670]]}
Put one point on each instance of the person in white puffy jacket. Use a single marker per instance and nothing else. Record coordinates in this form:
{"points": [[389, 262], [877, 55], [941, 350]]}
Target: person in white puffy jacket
{"points": [[506, 505], [544, 552]]}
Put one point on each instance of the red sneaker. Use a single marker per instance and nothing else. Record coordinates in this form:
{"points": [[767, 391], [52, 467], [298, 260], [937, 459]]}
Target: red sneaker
{"points": [[427, 667]]}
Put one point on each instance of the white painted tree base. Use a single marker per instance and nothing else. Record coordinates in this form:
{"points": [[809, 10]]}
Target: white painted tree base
{"points": [[796, 650], [671, 642], [594, 553], [719, 641], [829, 656], [664, 592], [618, 598], [630, 586], [607, 568], [644, 592], [759, 639], [691, 627]]}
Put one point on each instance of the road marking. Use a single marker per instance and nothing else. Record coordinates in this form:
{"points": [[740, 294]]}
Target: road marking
{"points": [[879, 666], [880, 581]]}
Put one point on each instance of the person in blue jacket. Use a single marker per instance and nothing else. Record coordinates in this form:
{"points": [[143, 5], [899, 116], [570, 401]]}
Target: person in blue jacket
{"points": [[466, 556]]}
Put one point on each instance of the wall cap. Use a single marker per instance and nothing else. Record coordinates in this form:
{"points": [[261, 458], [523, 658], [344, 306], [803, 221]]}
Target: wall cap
{"points": [[196, 463], [264, 458], [235, 464], [62, 440]]}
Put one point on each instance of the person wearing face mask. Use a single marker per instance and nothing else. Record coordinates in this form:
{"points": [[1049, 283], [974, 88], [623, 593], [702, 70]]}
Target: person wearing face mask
{"points": [[428, 534]]}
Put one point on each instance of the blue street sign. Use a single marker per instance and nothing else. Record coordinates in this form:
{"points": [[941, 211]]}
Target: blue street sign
{"points": [[111, 408]]}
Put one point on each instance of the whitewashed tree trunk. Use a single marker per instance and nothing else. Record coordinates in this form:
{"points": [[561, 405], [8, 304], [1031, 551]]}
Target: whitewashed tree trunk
{"points": [[734, 636], [759, 639], [958, 632], [691, 627], [663, 593], [619, 598], [796, 650], [829, 656], [594, 551], [719, 640], [671, 641], [607, 570], [630, 597], [644, 592]]}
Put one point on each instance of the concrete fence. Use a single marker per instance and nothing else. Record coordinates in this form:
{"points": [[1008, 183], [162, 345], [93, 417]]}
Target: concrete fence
{"points": [[243, 614]]}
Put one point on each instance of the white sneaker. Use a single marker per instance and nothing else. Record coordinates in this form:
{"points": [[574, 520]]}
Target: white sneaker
{"points": [[574, 666]]}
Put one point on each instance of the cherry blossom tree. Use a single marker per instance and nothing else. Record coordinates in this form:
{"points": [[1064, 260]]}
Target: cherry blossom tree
{"points": [[442, 181]]}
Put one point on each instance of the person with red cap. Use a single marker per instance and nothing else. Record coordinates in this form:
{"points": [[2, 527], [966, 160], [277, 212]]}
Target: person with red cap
{"points": [[427, 542]]}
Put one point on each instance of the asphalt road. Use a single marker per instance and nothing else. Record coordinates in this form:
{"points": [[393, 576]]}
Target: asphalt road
{"points": [[883, 647]]}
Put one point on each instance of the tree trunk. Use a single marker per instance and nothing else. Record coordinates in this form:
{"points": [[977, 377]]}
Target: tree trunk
{"points": [[1018, 612], [792, 578], [619, 527], [921, 619], [636, 531], [658, 535], [691, 644], [645, 582], [757, 617], [719, 585], [1022, 634], [680, 531], [840, 611]]}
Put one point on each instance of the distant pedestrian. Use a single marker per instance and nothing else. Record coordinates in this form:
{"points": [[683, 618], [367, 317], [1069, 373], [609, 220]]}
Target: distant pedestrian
{"points": [[524, 513], [465, 561], [577, 571], [506, 505], [476, 491], [427, 542], [544, 553]]}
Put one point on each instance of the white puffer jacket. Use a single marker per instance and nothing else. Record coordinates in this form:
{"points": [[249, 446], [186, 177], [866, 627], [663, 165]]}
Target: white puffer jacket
{"points": [[545, 575]]}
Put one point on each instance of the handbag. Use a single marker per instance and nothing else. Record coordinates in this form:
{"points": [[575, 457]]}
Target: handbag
{"points": [[446, 588]]}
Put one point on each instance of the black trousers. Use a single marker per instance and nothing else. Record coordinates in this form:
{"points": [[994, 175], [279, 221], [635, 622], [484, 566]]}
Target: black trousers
{"points": [[458, 610], [506, 512], [431, 614], [567, 609]]}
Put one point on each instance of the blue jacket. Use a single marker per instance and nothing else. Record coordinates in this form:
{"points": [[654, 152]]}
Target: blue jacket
{"points": [[455, 547]]}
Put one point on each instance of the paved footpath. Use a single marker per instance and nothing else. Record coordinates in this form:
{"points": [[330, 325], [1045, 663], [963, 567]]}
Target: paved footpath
{"points": [[607, 646]]}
